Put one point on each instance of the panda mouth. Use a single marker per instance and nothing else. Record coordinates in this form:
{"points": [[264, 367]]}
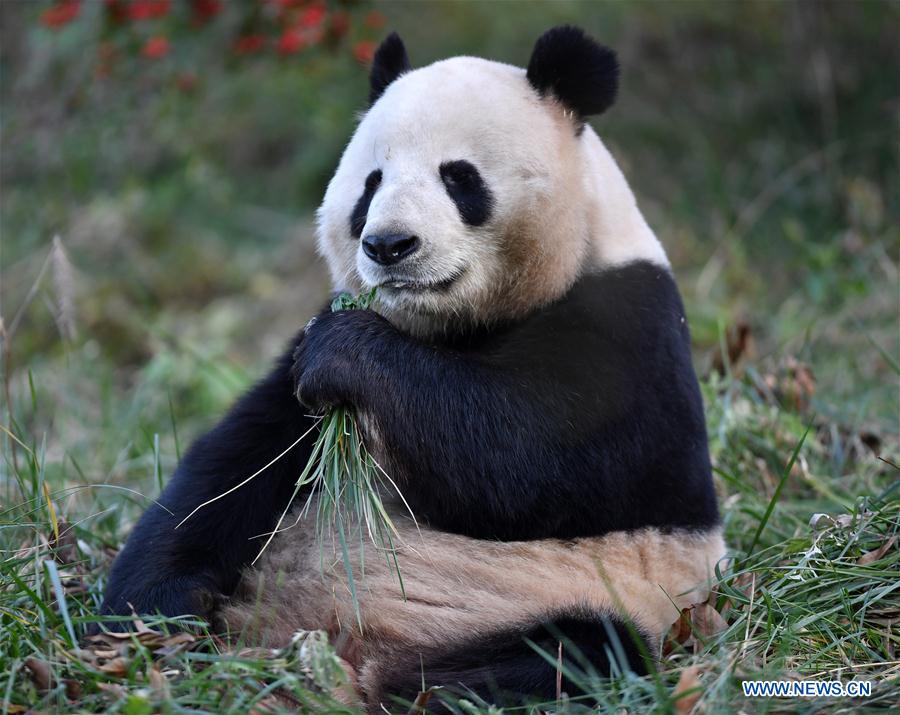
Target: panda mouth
{"points": [[403, 284]]}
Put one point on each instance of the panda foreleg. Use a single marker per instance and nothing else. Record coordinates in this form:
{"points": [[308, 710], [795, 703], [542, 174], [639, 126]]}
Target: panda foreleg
{"points": [[476, 442], [176, 568]]}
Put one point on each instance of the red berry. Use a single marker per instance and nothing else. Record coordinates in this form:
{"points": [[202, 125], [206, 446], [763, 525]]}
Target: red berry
{"points": [[291, 42], [249, 44], [312, 16], [148, 9], [60, 14], [364, 51], [155, 47]]}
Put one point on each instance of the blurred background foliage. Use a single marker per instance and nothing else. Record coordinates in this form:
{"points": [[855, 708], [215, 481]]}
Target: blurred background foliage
{"points": [[179, 149]]}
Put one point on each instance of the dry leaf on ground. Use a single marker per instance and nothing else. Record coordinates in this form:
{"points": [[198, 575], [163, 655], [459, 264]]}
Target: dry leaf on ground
{"points": [[688, 690], [873, 556], [706, 620], [40, 674]]}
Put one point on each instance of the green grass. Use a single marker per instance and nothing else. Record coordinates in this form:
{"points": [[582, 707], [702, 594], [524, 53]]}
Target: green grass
{"points": [[761, 141], [799, 600]]}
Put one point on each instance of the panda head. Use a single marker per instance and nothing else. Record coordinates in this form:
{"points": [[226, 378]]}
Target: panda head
{"points": [[472, 191]]}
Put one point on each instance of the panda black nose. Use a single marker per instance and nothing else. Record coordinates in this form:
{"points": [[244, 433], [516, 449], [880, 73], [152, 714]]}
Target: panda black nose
{"points": [[391, 248]]}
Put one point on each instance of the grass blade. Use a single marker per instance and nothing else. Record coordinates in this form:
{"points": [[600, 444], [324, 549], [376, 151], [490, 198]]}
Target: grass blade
{"points": [[60, 593], [784, 477]]}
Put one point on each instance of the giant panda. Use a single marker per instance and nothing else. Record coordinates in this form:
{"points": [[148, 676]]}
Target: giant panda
{"points": [[525, 379]]}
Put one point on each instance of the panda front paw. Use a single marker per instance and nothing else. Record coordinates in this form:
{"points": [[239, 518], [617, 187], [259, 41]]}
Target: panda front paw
{"points": [[330, 363]]}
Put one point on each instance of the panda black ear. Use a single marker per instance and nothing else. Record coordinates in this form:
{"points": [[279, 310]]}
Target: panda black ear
{"points": [[581, 73], [389, 62]]}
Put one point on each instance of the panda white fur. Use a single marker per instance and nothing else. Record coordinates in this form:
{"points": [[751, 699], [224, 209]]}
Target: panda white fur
{"points": [[526, 380]]}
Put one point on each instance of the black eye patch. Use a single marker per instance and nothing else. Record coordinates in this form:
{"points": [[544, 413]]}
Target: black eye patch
{"points": [[466, 187], [361, 210]]}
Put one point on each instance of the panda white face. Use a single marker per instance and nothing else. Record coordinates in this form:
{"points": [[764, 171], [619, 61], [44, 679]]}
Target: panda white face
{"points": [[443, 196], [473, 191]]}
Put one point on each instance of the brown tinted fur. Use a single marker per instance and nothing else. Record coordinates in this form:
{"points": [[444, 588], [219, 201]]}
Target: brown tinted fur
{"points": [[546, 247], [457, 587]]}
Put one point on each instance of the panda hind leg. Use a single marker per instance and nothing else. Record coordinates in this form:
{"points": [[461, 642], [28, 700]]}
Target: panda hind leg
{"points": [[506, 668]]}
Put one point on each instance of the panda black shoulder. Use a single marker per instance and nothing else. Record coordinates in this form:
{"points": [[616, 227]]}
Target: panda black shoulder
{"points": [[620, 341], [626, 447]]}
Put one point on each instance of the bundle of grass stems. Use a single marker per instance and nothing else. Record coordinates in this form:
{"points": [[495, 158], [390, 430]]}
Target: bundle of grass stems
{"points": [[345, 484]]}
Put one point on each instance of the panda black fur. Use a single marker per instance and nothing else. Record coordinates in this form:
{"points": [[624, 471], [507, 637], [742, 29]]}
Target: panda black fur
{"points": [[526, 381]]}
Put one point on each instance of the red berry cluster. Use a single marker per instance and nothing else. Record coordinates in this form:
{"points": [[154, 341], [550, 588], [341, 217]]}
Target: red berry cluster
{"points": [[286, 27], [61, 13]]}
